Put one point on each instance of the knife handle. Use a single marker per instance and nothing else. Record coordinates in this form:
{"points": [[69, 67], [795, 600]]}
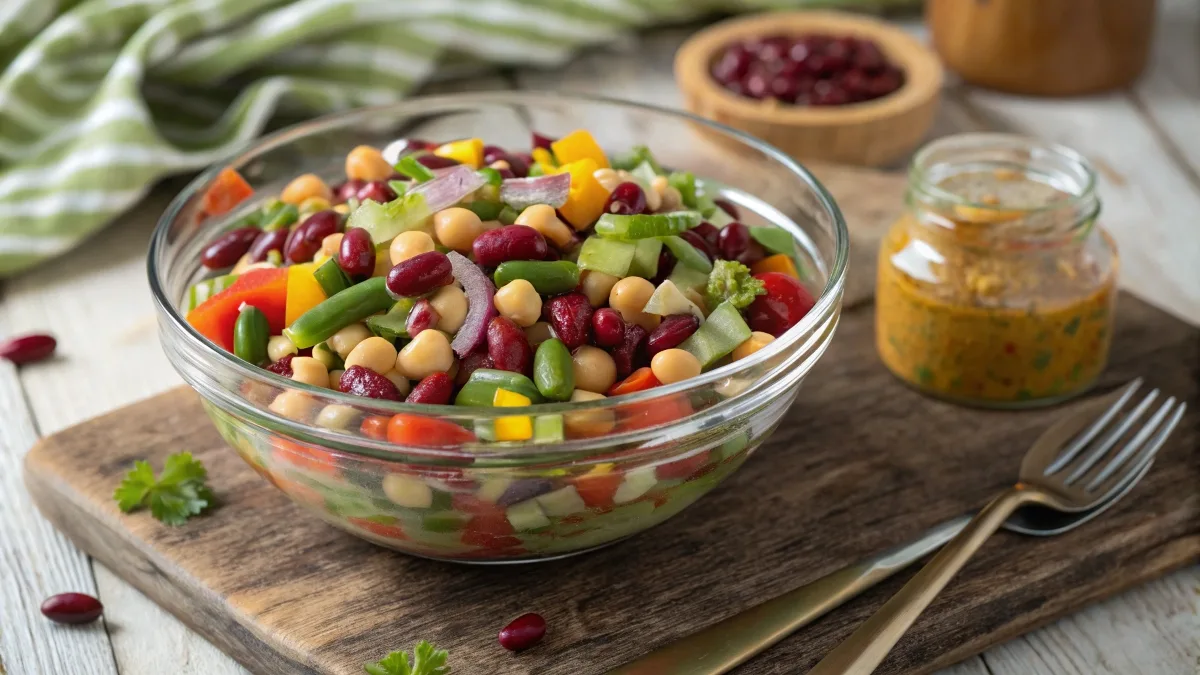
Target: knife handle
{"points": [[730, 642]]}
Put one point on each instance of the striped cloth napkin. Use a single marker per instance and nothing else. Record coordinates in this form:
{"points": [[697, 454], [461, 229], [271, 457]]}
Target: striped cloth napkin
{"points": [[101, 98]]}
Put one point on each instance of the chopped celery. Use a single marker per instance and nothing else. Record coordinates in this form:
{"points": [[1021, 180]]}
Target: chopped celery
{"points": [[718, 336], [720, 218], [394, 324], [644, 226], [645, 258], [484, 209], [204, 290], [645, 174], [491, 175], [548, 429], [607, 255], [685, 182], [640, 154], [409, 166], [687, 254], [687, 278], [536, 170], [399, 186], [384, 221], [331, 278], [774, 239], [508, 215], [277, 215]]}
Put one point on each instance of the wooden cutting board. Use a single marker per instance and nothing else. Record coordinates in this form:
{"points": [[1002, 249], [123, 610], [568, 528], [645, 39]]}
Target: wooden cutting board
{"points": [[859, 464]]}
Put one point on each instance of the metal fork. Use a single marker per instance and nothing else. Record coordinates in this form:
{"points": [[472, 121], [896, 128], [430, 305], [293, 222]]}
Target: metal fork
{"points": [[1072, 467]]}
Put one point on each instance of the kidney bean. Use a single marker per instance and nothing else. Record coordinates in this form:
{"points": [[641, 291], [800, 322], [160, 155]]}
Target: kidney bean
{"points": [[753, 253], [570, 316], [540, 141], [626, 199], [494, 153], [523, 632], [28, 348], [356, 254], [700, 243], [422, 317], [508, 347], [666, 265], [671, 333], [305, 240], [709, 232], [728, 207], [72, 608], [225, 250], [376, 191], [282, 367], [362, 381], [267, 242], [344, 191], [420, 274], [470, 363], [631, 353], [511, 242], [431, 161], [733, 240], [608, 327], [435, 389]]}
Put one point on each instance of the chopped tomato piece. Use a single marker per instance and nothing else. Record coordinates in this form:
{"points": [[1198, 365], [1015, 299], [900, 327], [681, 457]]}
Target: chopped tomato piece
{"points": [[491, 531], [419, 431], [228, 190], [305, 457], [266, 289], [681, 468], [388, 530], [653, 413], [597, 489], [375, 426], [639, 380]]}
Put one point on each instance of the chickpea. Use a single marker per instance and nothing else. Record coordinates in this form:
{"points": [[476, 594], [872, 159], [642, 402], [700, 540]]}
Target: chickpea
{"points": [[331, 244], [517, 300], [538, 333], [280, 346], [335, 379], [428, 353], [499, 164], [588, 422], [336, 417], [308, 370], [450, 302], [628, 296], [401, 382], [304, 187], [669, 198], [755, 342], [610, 179], [343, 209], [375, 353], [596, 286], [542, 218], [367, 163], [595, 370], [697, 299], [383, 265], [294, 405], [409, 244], [312, 205], [607, 178], [457, 228], [348, 338], [674, 365]]}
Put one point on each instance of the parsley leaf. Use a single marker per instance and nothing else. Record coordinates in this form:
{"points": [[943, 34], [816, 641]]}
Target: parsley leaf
{"points": [[178, 494], [427, 660]]}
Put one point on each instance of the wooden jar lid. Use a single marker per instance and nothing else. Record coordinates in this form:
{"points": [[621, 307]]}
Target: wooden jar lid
{"points": [[870, 133]]}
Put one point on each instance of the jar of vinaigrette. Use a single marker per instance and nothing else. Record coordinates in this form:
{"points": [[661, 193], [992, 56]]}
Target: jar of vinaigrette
{"points": [[996, 287]]}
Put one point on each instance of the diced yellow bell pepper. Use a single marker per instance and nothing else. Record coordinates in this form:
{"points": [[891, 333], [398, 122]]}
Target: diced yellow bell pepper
{"points": [[517, 427], [544, 160], [776, 263], [578, 145], [303, 291], [468, 151], [586, 200]]}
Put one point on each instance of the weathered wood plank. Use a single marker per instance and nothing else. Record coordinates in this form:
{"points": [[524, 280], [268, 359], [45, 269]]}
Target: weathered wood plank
{"points": [[1169, 92]]}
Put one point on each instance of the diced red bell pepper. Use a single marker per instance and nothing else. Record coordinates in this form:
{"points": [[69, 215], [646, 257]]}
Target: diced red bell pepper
{"points": [[228, 190], [492, 531], [386, 530], [418, 431], [266, 289], [681, 468], [652, 413]]}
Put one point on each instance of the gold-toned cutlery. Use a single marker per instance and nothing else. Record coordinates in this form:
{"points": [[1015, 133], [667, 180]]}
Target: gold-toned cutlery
{"points": [[724, 645], [1077, 464]]}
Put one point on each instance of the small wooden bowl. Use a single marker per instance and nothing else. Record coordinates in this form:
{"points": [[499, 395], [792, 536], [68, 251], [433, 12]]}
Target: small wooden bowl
{"points": [[871, 133]]}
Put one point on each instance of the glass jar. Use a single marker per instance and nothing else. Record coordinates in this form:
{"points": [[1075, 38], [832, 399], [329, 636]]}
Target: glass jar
{"points": [[996, 287]]}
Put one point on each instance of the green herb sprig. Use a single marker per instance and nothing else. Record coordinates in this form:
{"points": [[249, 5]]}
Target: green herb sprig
{"points": [[177, 494]]}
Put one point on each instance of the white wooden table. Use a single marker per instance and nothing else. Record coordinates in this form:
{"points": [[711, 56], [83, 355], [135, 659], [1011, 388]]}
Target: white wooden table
{"points": [[95, 300]]}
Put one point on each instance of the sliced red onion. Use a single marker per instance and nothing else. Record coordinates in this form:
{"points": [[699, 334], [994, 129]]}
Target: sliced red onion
{"points": [[480, 308], [521, 193], [449, 188]]}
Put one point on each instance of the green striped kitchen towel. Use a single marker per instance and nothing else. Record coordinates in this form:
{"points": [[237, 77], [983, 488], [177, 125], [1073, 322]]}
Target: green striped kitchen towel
{"points": [[101, 98]]}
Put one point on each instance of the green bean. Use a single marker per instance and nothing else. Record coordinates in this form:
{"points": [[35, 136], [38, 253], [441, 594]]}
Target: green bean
{"points": [[484, 209], [483, 383], [251, 332], [331, 278], [553, 370], [335, 313], [547, 277]]}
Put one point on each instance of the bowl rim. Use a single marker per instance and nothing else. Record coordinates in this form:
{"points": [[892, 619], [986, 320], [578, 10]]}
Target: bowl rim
{"points": [[824, 307], [923, 70]]}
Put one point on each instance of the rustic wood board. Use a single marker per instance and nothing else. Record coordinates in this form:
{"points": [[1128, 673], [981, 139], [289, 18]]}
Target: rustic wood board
{"points": [[860, 463]]}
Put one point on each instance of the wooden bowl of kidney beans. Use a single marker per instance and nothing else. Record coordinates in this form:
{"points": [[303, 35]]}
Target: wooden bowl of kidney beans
{"points": [[822, 86]]}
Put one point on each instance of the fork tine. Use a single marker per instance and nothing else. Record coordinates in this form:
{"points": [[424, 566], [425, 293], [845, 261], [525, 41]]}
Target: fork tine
{"points": [[1106, 443], [1150, 448], [1068, 453]]}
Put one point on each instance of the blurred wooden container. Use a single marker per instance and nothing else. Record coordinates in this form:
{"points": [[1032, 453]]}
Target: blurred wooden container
{"points": [[871, 133]]}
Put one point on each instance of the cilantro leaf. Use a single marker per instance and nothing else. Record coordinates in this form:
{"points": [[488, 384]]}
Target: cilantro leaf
{"points": [[427, 660], [731, 280], [178, 494]]}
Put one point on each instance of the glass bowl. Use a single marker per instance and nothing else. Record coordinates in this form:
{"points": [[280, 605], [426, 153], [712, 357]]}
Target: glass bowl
{"points": [[622, 465]]}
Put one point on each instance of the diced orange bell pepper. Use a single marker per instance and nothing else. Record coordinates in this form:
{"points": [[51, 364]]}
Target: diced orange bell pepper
{"points": [[586, 200], [227, 191], [639, 380], [468, 151], [415, 430], [303, 291], [776, 263], [266, 289], [598, 486], [578, 145]]}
